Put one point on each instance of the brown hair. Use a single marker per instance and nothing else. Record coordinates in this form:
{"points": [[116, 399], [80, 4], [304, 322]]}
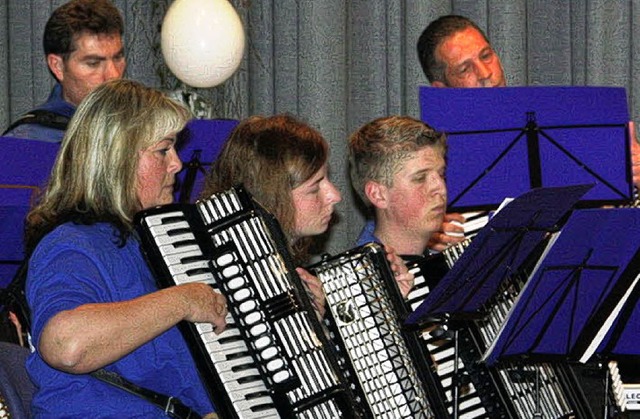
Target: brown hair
{"points": [[77, 17], [270, 156]]}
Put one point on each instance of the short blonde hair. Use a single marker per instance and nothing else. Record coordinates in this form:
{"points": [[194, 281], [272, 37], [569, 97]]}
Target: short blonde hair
{"points": [[378, 149]]}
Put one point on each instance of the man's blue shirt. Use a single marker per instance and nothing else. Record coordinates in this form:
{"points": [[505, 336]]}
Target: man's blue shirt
{"points": [[56, 104], [367, 235]]}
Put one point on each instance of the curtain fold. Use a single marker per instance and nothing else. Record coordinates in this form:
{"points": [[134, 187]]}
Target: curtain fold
{"points": [[338, 64]]}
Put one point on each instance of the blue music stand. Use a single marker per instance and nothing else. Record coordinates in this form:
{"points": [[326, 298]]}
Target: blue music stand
{"points": [[199, 145], [505, 141], [24, 172], [499, 250], [621, 341], [569, 304]]}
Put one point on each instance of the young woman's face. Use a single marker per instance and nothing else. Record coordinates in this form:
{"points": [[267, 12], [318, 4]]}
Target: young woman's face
{"points": [[313, 201], [156, 175]]}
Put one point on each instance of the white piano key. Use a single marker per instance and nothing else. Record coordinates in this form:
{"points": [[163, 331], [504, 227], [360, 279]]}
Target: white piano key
{"points": [[238, 367], [159, 219], [205, 277], [245, 409], [191, 266], [177, 258], [179, 247], [165, 229], [178, 238]]}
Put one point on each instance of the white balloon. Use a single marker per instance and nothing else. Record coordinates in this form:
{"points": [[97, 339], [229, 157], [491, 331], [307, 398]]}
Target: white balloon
{"points": [[202, 41]]}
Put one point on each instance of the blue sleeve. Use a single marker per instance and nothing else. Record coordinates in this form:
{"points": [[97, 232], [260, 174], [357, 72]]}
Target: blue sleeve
{"points": [[62, 279]]}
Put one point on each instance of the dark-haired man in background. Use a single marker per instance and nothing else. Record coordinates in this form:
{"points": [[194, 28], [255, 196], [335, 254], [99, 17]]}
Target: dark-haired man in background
{"points": [[83, 49], [454, 52]]}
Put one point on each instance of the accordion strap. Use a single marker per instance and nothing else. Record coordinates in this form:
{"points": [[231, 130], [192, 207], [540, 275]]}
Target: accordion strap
{"points": [[172, 406]]}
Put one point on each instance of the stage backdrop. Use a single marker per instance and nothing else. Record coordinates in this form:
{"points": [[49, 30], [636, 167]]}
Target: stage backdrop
{"points": [[338, 64]]}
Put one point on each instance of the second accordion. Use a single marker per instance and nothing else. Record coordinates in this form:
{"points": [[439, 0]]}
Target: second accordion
{"points": [[273, 360]]}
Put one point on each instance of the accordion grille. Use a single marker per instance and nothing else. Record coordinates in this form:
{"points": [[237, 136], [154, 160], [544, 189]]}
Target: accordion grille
{"points": [[364, 320]]}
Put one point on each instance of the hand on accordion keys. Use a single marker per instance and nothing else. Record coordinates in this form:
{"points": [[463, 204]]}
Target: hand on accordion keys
{"points": [[403, 277], [314, 286], [203, 304]]}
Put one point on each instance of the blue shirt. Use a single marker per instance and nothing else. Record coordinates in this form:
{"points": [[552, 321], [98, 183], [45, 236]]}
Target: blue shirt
{"points": [[367, 235], [56, 104], [78, 264]]}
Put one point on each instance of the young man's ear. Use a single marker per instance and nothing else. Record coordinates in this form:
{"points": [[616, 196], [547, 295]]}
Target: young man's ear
{"points": [[377, 194], [56, 65], [438, 84]]}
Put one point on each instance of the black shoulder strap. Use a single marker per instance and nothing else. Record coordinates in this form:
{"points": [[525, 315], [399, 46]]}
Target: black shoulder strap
{"points": [[171, 405], [14, 298], [41, 117], [13, 301]]}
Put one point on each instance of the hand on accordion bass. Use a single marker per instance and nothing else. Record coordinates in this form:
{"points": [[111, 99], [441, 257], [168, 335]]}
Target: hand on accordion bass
{"points": [[451, 232], [203, 304], [404, 278], [635, 155], [316, 293]]}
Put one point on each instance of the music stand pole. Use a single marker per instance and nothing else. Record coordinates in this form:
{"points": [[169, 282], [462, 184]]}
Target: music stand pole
{"points": [[456, 387], [533, 151], [606, 393], [538, 412]]}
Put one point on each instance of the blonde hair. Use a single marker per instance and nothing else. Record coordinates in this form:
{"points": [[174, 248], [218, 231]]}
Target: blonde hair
{"points": [[94, 175]]}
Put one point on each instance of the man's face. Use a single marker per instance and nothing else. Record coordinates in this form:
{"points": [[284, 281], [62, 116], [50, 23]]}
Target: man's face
{"points": [[469, 61], [417, 200], [96, 59]]}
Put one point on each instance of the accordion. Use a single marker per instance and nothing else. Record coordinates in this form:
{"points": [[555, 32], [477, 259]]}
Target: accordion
{"points": [[378, 357], [274, 359], [466, 389], [509, 390]]}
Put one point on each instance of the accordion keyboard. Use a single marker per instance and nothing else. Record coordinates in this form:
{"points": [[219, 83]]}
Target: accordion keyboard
{"points": [[445, 357], [228, 351], [525, 391], [531, 387], [248, 247]]}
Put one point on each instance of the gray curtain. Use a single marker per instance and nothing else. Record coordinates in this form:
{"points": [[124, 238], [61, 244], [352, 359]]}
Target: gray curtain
{"points": [[338, 64]]}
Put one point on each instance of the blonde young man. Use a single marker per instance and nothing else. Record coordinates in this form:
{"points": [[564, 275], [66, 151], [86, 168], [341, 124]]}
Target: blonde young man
{"points": [[397, 167]]}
